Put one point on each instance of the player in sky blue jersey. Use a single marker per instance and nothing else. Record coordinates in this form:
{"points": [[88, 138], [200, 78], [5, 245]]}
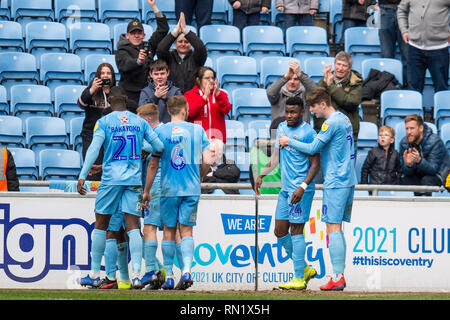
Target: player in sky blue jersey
{"points": [[335, 144], [184, 162], [297, 190], [121, 133]]}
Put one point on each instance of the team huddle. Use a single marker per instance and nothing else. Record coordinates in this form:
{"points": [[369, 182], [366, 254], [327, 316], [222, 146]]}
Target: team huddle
{"points": [[154, 171]]}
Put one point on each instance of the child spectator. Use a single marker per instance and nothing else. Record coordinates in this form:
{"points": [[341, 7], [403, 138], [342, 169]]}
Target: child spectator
{"points": [[382, 165]]}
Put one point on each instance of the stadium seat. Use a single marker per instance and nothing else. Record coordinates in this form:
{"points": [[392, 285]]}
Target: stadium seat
{"points": [[367, 136], [257, 129], [66, 106], [235, 136], [25, 161], [441, 111], [113, 12], [362, 43], [359, 162], [168, 7], [75, 126], [5, 13], [397, 104], [263, 40], [92, 62], [445, 135], [306, 41], [73, 11], [4, 105], [243, 163], [31, 100], [221, 39], [314, 66], [219, 13], [25, 11], [250, 101], [237, 71], [121, 28], [17, 68], [45, 37], [11, 37], [272, 68], [90, 38], [335, 20], [11, 132], [60, 69], [46, 133], [393, 66], [59, 164]]}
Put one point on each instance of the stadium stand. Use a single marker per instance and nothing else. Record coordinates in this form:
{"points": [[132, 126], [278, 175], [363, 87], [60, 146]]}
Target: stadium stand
{"points": [[11, 36], [59, 164], [11, 132], [25, 161]]}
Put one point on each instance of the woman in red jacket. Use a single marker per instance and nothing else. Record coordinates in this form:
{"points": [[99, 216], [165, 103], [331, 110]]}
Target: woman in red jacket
{"points": [[208, 105]]}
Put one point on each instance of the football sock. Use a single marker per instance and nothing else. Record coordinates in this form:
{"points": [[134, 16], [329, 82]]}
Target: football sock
{"points": [[122, 261], [179, 256], [187, 252], [168, 251], [286, 242], [135, 250], [111, 254], [97, 250], [150, 247], [337, 248], [298, 254]]}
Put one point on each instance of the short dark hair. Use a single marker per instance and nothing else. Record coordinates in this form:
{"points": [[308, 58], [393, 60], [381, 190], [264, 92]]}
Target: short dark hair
{"points": [[295, 101], [414, 117], [318, 95], [158, 65]]}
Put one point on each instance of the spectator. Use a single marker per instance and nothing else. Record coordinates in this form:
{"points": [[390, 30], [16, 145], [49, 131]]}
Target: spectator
{"points": [[248, 12], [423, 155], [94, 102], [201, 8], [382, 165], [222, 170], [132, 59], [389, 33], [298, 11], [294, 83], [208, 105], [8, 173], [159, 89], [354, 14], [344, 85], [424, 27], [183, 61]]}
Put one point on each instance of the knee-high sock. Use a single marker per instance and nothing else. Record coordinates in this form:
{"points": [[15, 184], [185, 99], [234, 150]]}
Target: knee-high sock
{"points": [[150, 247], [135, 250], [168, 251], [298, 254], [97, 249], [337, 248], [111, 254], [286, 242], [122, 261], [187, 251], [179, 256]]}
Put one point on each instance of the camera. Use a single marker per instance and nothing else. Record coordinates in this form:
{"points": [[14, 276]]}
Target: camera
{"points": [[146, 47], [106, 82]]}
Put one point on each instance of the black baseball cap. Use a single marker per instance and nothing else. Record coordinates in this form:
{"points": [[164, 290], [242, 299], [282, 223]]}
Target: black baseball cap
{"points": [[134, 25]]}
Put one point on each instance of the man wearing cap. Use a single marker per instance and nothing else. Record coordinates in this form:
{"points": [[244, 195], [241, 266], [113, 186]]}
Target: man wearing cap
{"points": [[132, 59]]}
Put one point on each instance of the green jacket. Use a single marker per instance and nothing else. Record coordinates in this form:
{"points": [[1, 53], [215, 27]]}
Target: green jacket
{"points": [[345, 99]]}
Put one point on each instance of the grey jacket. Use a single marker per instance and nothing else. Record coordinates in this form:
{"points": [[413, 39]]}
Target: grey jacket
{"points": [[278, 94], [297, 6], [426, 21]]}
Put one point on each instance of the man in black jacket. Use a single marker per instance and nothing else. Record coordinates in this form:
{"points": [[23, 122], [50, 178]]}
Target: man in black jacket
{"points": [[183, 62], [132, 59]]}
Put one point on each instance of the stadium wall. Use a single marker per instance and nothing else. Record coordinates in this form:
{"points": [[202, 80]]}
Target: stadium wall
{"points": [[393, 244]]}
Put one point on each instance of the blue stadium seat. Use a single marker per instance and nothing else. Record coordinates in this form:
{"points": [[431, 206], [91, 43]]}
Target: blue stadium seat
{"points": [[92, 62], [257, 129], [25, 11], [362, 43], [367, 136], [250, 101], [5, 13], [11, 36], [59, 69], [445, 135], [304, 41], [25, 161], [237, 71], [314, 66], [59, 164], [243, 163], [121, 28], [221, 39], [441, 108], [393, 66], [359, 162], [168, 7], [31, 100], [17, 68], [75, 126], [90, 38], [263, 39], [45, 37], [271, 68], [46, 133], [235, 136], [4, 105], [113, 12], [11, 132], [66, 106], [73, 11], [219, 13], [397, 104], [335, 20]]}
